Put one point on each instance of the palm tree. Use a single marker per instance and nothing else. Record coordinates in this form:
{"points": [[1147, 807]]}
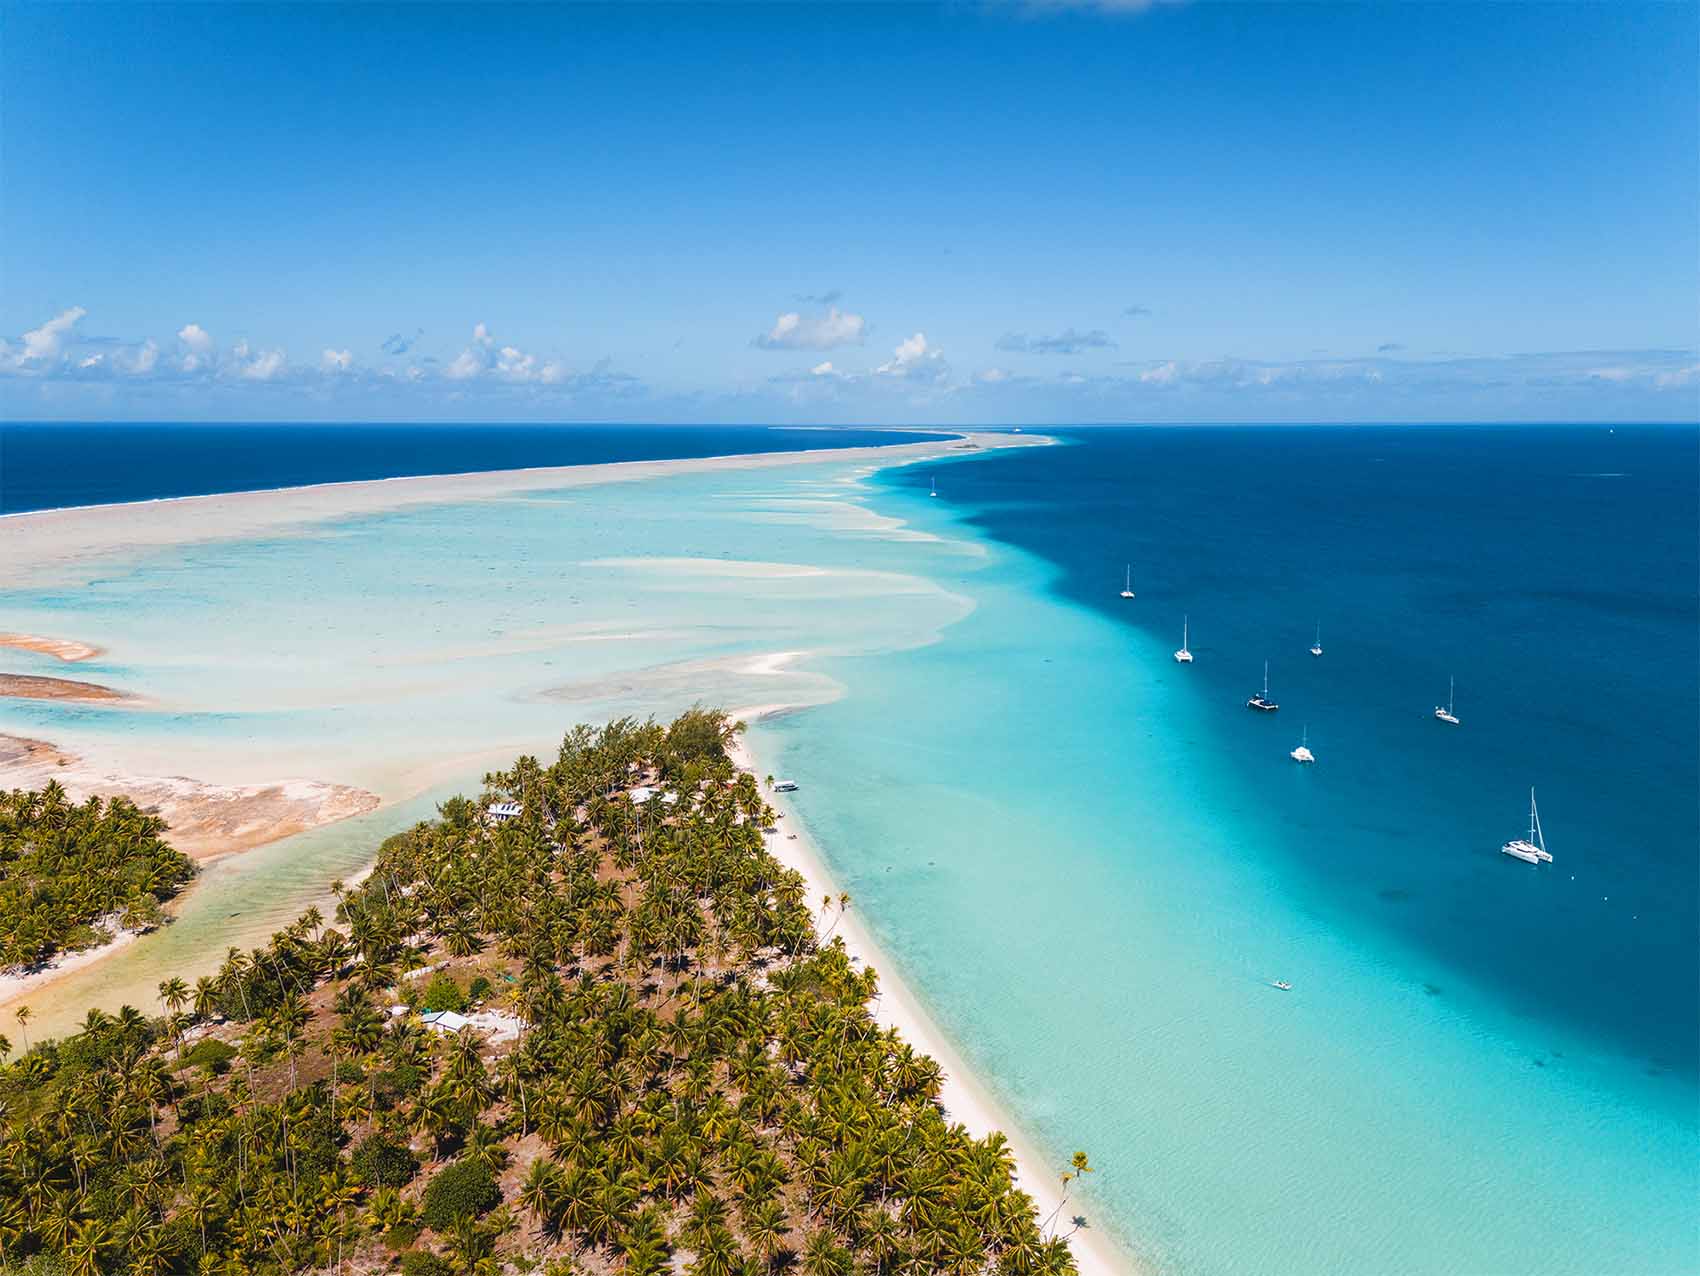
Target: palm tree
{"points": [[537, 1191], [87, 1247], [22, 1014], [824, 1256], [765, 1228]]}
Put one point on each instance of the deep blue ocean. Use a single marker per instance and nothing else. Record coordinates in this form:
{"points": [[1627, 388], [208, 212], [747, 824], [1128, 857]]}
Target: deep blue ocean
{"points": [[53, 466], [1552, 571]]}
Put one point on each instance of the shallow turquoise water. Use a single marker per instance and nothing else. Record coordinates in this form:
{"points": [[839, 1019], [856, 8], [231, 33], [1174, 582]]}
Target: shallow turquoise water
{"points": [[1092, 886], [1037, 812]]}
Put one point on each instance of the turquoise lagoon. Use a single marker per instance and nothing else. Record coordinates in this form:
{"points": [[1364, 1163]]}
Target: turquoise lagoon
{"points": [[1037, 813]]}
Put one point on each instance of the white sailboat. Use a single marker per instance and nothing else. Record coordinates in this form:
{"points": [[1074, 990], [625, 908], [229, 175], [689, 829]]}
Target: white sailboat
{"points": [[1262, 700], [1533, 849], [1446, 714], [1303, 753], [935, 490], [1316, 647], [1127, 584], [1184, 655]]}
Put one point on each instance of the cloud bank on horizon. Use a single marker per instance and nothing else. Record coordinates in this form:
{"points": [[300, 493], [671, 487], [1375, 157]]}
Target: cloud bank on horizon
{"points": [[496, 379], [850, 219]]}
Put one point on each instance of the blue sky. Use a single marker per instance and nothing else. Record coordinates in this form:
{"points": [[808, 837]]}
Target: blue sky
{"points": [[888, 213]]}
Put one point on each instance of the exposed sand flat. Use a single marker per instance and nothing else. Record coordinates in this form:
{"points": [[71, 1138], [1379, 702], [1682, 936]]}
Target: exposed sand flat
{"points": [[23, 686], [207, 820], [53, 542], [683, 679], [62, 648]]}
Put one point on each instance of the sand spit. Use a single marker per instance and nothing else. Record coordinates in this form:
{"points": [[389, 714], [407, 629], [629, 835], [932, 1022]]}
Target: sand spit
{"points": [[207, 820], [23, 686], [66, 543], [61, 648]]}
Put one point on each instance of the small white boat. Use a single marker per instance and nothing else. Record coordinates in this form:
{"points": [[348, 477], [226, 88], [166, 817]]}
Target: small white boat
{"points": [[1127, 583], [1533, 849], [935, 490], [1261, 701], [1303, 753], [1316, 647], [1184, 655], [1282, 984], [1446, 714]]}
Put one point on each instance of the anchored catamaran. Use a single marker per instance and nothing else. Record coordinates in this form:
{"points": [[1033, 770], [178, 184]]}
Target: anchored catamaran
{"points": [[1184, 655], [1127, 584], [1533, 849], [1303, 753], [1316, 647]]}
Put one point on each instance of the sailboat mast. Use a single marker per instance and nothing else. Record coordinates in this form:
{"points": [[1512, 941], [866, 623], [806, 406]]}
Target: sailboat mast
{"points": [[1534, 820], [1266, 680]]}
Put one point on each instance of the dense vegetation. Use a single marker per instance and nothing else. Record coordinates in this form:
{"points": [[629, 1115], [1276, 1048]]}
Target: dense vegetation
{"points": [[66, 866], [667, 1071]]}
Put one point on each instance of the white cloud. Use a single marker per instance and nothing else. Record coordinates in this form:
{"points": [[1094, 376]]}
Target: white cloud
{"points": [[823, 370], [507, 363], [475, 359], [826, 331], [334, 361], [467, 364], [198, 347], [142, 361], [263, 366], [43, 344], [1677, 377], [93, 361], [514, 364], [915, 359]]}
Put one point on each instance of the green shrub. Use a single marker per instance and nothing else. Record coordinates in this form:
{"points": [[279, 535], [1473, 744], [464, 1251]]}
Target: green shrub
{"points": [[460, 1190], [443, 993], [422, 1262], [211, 1054], [392, 1083], [479, 990], [382, 1162], [350, 1073]]}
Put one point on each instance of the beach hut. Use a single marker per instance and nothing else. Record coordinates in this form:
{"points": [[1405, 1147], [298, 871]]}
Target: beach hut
{"points": [[445, 1021], [501, 812]]}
